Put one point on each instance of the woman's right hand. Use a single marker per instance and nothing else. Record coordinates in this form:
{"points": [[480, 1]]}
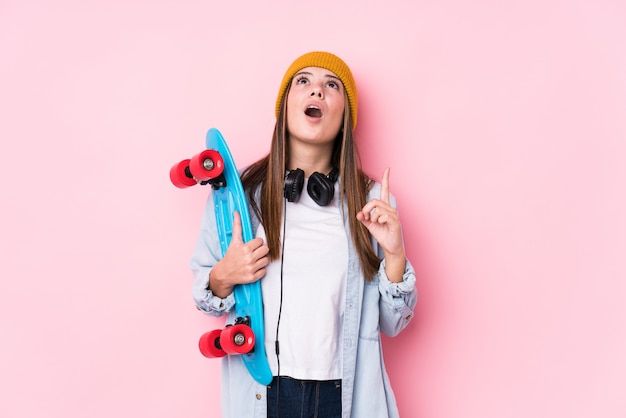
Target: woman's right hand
{"points": [[242, 263]]}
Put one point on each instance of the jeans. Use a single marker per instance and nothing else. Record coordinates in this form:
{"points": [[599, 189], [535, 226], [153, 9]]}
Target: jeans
{"points": [[291, 398]]}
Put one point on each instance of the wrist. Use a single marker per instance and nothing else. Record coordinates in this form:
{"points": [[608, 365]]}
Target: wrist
{"points": [[218, 287], [395, 266]]}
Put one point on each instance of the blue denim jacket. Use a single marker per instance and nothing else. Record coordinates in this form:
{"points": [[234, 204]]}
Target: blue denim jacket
{"points": [[371, 307]]}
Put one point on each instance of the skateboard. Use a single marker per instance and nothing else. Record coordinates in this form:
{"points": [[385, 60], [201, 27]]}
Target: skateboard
{"points": [[245, 336]]}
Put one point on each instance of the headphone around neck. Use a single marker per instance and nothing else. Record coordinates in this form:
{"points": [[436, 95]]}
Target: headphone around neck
{"points": [[320, 187]]}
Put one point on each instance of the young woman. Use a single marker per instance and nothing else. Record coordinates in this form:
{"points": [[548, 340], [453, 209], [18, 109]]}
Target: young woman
{"points": [[329, 253]]}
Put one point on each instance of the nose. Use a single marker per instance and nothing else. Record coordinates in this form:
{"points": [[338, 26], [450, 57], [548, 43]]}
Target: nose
{"points": [[316, 91]]}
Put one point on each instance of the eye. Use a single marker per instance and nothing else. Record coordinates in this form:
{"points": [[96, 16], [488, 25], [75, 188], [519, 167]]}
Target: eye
{"points": [[334, 85], [301, 80]]}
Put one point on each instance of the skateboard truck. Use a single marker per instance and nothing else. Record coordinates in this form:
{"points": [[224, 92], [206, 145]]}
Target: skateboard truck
{"points": [[216, 183], [209, 165]]}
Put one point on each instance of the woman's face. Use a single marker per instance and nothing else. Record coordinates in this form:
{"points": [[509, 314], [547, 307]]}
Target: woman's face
{"points": [[315, 106]]}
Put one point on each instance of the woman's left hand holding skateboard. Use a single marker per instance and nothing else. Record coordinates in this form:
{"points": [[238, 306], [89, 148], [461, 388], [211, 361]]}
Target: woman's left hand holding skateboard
{"points": [[243, 262]]}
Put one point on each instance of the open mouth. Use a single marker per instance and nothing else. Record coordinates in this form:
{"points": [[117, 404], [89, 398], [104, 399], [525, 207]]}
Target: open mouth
{"points": [[313, 111]]}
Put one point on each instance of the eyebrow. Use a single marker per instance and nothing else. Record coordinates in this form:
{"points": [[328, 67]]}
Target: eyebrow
{"points": [[327, 75]]}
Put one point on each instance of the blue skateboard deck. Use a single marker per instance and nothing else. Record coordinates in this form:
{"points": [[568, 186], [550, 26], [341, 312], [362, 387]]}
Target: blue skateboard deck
{"points": [[215, 166]]}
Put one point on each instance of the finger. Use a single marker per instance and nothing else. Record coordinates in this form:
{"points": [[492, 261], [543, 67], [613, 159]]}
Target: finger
{"points": [[363, 217], [259, 249], [373, 204], [380, 216], [236, 231], [382, 219], [384, 190]]}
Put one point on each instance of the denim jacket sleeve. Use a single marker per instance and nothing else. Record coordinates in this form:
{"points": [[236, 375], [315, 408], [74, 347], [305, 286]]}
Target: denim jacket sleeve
{"points": [[206, 254], [397, 300]]}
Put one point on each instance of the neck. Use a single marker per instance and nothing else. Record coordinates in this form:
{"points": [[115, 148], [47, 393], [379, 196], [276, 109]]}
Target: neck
{"points": [[310, 159]]}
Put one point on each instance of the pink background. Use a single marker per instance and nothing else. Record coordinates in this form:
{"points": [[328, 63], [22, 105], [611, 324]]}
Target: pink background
{"points": [[504, 124]]}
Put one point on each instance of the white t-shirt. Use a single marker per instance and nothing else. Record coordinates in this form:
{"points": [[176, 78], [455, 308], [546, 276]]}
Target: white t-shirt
{"points": [[314, 270]]}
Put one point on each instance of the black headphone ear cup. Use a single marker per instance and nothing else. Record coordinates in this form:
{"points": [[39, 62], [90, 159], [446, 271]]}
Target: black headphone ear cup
{"points": [[294, 181], [321, 189]]}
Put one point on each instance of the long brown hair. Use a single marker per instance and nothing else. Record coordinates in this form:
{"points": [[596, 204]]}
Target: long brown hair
{"points": [[269, 174]]}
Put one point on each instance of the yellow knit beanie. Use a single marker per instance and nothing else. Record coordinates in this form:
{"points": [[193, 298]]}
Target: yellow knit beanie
{"points": [[322, 60]]}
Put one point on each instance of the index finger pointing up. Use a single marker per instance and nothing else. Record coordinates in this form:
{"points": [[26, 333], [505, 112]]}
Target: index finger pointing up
{"points": [[384, 191]]}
